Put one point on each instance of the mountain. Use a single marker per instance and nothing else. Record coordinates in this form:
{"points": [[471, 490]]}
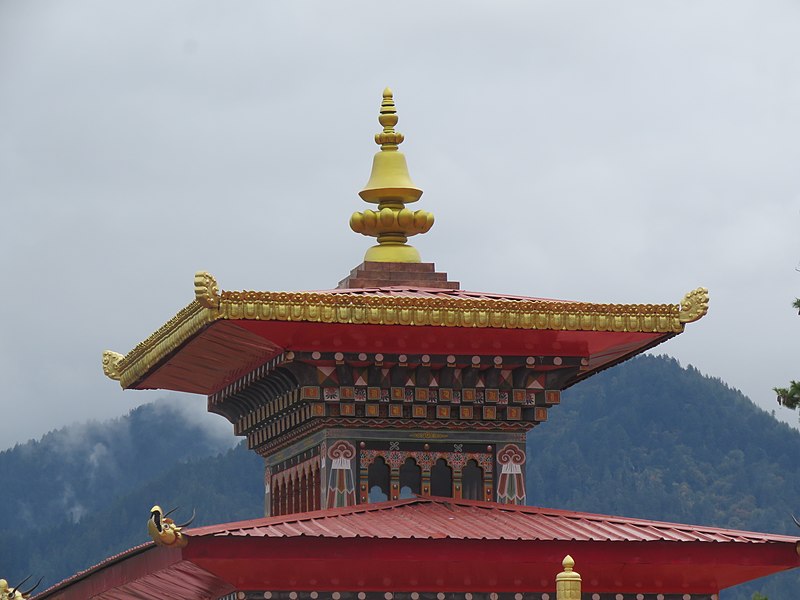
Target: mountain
{"points": [[645, 439], [76, 495], [74, 471], [654, 440]]}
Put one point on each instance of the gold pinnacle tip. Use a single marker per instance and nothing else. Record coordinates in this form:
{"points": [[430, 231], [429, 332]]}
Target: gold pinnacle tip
{"points": [[388, 139]]}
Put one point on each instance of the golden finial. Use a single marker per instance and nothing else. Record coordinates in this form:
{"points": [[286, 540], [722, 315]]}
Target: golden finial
{"points": [[388, 118], [568, 582], [391, 188]]}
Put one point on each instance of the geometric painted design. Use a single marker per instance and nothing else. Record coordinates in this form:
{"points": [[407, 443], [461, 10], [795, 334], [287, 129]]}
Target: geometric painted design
{"points": [[326, 375], [552, 397], [360, 376], [535, 381]]}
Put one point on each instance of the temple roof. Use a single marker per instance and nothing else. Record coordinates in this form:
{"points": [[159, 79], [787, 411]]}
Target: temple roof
{"points": [[433, 544], [446, 518], [221, 336]]}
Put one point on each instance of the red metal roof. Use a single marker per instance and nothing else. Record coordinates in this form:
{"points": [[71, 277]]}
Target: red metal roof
{"points": [[442, 518], [440, 544]]}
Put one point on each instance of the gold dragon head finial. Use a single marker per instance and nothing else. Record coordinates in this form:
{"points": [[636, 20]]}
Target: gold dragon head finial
{"points": [[694, 305], [15, 593], [206, 290], [391, 188], [111, 362], [164, 531]]}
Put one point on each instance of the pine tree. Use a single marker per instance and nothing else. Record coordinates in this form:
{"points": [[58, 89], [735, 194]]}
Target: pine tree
{"points": [[790, 397]]}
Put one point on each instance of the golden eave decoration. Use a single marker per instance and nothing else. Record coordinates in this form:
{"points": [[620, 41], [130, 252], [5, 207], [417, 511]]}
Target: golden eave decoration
{"points": [[360, 308]]}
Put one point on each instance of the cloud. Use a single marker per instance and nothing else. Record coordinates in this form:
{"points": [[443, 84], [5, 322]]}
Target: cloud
{"points": [[609, 151]]}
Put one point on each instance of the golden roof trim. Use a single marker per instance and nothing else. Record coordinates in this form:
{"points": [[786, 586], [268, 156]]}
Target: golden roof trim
{"points": [[166, 339], [358, 309]]}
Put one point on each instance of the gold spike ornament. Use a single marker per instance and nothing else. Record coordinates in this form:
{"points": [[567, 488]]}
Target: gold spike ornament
{"points": [[391, 188]]}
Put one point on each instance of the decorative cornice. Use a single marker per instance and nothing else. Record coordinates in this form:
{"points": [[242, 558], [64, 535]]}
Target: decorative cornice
{"points": [[361, 309], [168, 338]]}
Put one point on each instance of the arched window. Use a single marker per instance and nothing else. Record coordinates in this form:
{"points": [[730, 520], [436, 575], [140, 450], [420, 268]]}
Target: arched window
{"points": [[442, 479], [472, 481], [410, 479], [378, 480]]}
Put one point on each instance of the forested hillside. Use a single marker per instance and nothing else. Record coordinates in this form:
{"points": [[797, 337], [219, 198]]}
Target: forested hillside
{"points": [[654, 440], [647, 439], [77, 495]]}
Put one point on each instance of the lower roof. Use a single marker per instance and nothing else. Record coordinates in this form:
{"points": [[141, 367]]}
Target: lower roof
{"points": [[446, 518], [437, 544]]}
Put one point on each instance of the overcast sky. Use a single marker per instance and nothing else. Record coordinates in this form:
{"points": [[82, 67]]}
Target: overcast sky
{"points": [[597, 150]]}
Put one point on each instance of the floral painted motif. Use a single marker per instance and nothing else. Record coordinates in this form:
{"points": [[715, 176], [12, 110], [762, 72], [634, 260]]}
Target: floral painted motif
{"points": [[341, 486], [511, 485]]}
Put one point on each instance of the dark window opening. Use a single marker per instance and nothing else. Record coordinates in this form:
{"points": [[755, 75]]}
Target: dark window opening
{"points": [[378, 480], [472, 481], [442, 479], [410, 479]]}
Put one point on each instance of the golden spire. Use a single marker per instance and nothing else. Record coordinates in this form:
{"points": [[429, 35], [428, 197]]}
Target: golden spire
{"points": [[390, 187]]}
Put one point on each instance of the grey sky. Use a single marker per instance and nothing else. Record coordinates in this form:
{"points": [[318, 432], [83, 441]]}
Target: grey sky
{"points": [[603, 151]]}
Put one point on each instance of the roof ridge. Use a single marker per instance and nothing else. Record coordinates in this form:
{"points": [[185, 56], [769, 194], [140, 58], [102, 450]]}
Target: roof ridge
{"points": [[308, 515], [485, 507]]}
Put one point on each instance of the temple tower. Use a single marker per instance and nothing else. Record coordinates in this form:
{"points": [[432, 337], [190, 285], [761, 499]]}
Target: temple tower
{"points": [[396, 383]]}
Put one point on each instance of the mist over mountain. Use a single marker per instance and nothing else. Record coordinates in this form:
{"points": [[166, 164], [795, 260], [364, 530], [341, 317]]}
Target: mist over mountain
{"points": [[645, 439]]}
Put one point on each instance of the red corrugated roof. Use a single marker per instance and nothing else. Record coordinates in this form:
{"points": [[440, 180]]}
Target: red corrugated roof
{"points": [[437, 518], [107, 562], [538, 539]]}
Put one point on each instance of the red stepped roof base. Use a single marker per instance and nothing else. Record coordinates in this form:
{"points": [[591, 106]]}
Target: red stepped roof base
{"points": [[436, 544]]}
